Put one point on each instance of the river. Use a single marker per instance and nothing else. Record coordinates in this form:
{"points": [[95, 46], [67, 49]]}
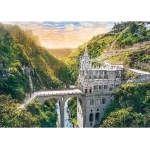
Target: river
{"points": [[67, 123]]}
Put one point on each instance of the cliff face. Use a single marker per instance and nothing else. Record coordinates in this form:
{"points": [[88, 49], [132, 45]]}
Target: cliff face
{"points": [[21, 58]]}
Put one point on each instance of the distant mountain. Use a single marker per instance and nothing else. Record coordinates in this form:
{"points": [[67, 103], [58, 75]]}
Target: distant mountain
{"points": [[60, 53]]}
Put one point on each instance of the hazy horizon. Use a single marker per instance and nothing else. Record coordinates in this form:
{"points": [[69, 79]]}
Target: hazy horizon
{"points": [[66, 34]]}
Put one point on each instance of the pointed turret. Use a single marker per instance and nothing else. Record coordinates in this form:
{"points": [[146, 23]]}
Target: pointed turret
{"points": [[85, 62], [86, 51]]}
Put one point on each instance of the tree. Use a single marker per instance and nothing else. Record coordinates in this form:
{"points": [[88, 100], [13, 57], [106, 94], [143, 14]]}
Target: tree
{"points": [[11, 117]]}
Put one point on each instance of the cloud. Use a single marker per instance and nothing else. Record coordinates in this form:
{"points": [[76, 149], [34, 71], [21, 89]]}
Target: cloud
{"points": [[69, 27], [66, 33]]}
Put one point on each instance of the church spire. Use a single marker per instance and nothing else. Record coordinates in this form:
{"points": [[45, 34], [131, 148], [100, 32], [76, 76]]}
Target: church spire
{"points": [[86, 51]]}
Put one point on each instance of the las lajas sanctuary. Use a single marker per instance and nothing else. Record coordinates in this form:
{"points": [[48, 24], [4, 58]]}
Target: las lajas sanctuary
{"points": [[98, 84]]}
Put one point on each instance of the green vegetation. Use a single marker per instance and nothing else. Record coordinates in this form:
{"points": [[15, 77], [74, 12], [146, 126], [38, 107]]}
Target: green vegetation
{"points": [[140, 60], [20, 48], [72, 106], [129, 75], [45, 113], [60, 53], [126, 118], [36, 114], [11, 117], [135, 32], [118, 27], [130, 108], [121, 58]]}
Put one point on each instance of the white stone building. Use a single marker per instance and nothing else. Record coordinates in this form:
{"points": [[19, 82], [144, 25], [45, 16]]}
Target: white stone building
{"points": [[98, 83]]}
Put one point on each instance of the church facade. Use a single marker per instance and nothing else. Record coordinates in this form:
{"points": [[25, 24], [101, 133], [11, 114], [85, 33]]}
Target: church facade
{"points": [[98, 83]]}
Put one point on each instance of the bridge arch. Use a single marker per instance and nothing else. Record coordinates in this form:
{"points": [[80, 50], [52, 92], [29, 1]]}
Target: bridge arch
{"points": [[80, 108], [62, 96]]}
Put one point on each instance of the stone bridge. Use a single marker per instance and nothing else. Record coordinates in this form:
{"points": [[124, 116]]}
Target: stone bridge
{"points": [[60, 95]]}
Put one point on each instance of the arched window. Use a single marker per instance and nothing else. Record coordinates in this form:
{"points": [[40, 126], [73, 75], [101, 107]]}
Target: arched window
{"points": [[111, 87], [85, 90], [95, 77], [95, 87], [103, 100], [100, 76], [92, 101], [117, 75], [100, 86], [105, 75], [97, 116], [105, 86], [90, 90], [90, 77], [91, 117]]}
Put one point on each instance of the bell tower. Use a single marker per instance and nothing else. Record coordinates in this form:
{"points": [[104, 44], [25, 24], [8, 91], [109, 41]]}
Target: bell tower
{"points": [[85, 62]]}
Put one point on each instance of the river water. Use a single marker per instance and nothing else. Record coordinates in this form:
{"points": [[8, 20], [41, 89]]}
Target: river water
{"points": [[67, 123]]}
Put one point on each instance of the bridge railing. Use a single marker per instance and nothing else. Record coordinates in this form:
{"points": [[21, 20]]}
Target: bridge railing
{"points": [[66, 93], [54, 89]]}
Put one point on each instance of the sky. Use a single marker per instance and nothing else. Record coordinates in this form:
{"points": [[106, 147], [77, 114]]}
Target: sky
{"points": [[67, 34]]}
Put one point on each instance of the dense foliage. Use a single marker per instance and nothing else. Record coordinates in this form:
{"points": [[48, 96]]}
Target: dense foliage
{"points": [[131, 107], [11, 117], [36, 114], [45, 113], [135, 32], [72, 106], [129, 75], [140, 59], [120, 26]]}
